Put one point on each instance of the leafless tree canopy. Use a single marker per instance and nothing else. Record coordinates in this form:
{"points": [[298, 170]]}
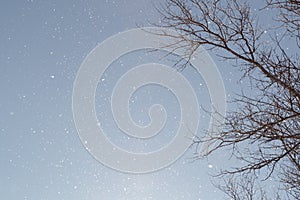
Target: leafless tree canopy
{"points": [[264, 130], [244, 187]]}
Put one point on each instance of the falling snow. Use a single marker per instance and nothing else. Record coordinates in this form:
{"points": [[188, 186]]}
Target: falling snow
{"points": [[43, 45]]}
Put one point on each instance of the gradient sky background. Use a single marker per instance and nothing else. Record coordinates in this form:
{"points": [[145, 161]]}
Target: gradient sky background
{"points": [[43, 44]]}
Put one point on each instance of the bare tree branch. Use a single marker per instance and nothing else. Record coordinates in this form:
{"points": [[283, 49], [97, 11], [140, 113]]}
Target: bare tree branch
{"points": [[264, 131]]}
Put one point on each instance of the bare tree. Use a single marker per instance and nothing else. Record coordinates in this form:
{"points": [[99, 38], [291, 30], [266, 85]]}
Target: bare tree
{"points": [[288, 15], [264, 130], [244, 187]]}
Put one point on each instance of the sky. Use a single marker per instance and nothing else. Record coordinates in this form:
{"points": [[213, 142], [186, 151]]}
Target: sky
{"points": [[43, 44]]}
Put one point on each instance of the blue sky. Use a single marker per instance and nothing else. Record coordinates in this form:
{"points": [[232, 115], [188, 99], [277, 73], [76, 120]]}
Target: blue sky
{"points": [[43, 44]]}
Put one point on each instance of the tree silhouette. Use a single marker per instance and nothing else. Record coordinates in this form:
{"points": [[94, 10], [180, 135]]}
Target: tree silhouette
{"points": [[264, 130], [245, 187]]}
